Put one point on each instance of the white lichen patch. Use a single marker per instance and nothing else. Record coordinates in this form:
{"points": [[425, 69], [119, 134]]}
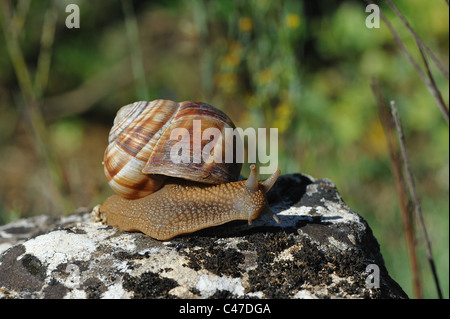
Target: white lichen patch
{"points": [[208, 284], [304, 294], [60, 247], [334, 210], [116, 291], [287, 254], [338, 244], [311, 189], [79, 258]]}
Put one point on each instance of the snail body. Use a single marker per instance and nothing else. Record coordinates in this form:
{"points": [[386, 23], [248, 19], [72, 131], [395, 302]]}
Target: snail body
{"points": [[178, 209], [163, 199]]}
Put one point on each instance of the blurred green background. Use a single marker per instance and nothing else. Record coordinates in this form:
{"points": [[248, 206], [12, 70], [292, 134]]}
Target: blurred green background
{"points": [[304, 67]]}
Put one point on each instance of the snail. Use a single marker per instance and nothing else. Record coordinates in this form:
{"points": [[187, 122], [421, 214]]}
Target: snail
{"points": [[164, 199]]}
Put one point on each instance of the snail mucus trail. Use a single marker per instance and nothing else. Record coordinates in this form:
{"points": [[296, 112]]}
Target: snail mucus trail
{"points": [[164, 199]]}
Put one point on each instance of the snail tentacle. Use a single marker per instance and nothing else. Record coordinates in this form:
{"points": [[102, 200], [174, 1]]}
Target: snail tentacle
{"points": [[270, 181], [252, 181]]}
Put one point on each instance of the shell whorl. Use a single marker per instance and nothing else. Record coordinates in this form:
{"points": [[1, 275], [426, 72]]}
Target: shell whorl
{"points": [[137, 159]]}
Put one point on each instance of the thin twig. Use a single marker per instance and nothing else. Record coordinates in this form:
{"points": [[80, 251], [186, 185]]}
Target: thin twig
{"points": [[430, 76], [432, 88], [386, 122], [15, 53], [419, 41], [413, 194], [32, 108], [20, 15], [43, 65], [80, 99], [132, 30]]}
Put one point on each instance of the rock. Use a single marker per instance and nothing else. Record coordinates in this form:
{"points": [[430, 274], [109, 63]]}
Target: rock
{"points": [[321, 250]]}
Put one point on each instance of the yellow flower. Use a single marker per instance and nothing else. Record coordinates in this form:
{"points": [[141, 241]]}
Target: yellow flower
{"points": [[231, 60], [265, 76], [226, 81], [283, 118], [375, 140], [233, 57], [292, 20], [245, 24]]}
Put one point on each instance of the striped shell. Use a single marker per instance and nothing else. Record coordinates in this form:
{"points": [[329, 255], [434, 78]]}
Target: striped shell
{"points": [[137, 160]]}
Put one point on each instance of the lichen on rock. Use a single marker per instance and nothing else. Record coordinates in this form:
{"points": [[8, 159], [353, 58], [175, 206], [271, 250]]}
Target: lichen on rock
{"points": [[321, 250]]}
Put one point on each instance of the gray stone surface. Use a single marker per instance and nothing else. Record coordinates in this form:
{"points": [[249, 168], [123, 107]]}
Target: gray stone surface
{"points": [[320, 250]]}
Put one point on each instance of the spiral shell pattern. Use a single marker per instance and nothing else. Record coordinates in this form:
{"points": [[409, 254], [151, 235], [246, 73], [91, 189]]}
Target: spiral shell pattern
{"points": [[137, 160]]}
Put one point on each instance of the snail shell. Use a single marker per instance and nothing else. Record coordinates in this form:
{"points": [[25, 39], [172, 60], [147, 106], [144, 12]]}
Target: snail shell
{"points": [[165, 199], [137, 159]]}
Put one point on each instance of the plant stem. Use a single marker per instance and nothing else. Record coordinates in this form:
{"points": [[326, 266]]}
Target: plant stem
{"points": [[386, 121], [132, 31], [419, 41], [43, 65], [413, 194], [431, 86], [33, 111]]}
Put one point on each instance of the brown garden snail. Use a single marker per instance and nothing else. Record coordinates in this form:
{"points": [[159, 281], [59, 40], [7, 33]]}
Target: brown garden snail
{"points": [[164, 199]]}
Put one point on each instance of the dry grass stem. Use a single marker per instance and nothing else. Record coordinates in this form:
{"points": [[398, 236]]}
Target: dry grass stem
{"points": [[413, 194], [58, 187], [431, 86], [419, 41], [399, 181]]}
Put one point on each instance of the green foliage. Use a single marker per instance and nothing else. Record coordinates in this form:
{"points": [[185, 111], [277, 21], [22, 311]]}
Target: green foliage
{"points": [[302, 67]]}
